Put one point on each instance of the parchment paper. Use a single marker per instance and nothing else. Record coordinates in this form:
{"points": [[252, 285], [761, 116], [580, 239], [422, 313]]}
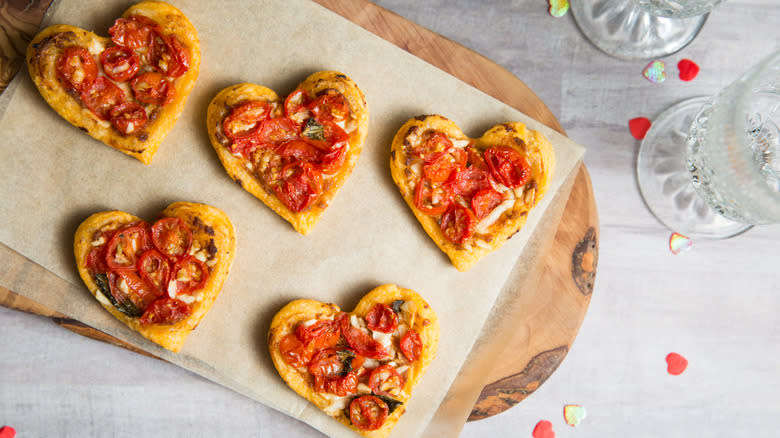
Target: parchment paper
{"points": [[54, 176]]}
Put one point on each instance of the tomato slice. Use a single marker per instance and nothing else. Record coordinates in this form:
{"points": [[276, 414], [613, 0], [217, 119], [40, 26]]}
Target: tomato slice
{"points": [[168, 56], [166, 311], [190, 275], [338, 385], [385, 380], [131, 291], [360, 340], [172, 237], [475, 158], [333, 161], [244, 119], [301, 185], [368, 412], [155, 269], [411, 345], [120, 63], [330, 374], [431, 198], [76, 68], [507, 166], [102, 96], [299, 150], [470, 180], [153, 88], [484, 201], [128, 117], [433, 143], [133, 32], [278, 130], [442, 165], [294, 352], [326, 363], [382, 318], [458, 223], [324, 333], [329, 106], [126, 246], [296, 106]]}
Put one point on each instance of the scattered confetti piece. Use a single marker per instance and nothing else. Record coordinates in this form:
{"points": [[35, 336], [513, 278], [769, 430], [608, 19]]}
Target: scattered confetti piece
{"points": [[543, 429], [654, 72], [639, 127], [688, 69], [558, 8], [679, 243], [7, 432], [574, 414], [675, 364]]}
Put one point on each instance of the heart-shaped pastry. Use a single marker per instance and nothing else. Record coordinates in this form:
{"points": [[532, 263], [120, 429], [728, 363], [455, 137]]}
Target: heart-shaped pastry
{"points": [[128, 90], [159, 279], [357, 367], [292, 154], [470, 194]]}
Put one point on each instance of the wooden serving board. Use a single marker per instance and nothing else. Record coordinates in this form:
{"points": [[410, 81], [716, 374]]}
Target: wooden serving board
{"points": [[552, 314]]}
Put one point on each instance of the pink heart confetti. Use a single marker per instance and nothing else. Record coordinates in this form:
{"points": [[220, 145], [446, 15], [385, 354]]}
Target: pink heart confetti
{"points": [[675, 364], [688, 69], [558, 8], [543, 429], [574, 414], [639, 127], [655, 72], [679, 243], [7, 432]]}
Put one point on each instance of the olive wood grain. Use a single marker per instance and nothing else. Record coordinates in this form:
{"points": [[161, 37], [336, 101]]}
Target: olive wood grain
{"points": [[554, 312]]}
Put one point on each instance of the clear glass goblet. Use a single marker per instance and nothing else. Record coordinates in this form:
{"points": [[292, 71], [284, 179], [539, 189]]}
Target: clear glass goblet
{"points": [[710, 166], [641, 29]]}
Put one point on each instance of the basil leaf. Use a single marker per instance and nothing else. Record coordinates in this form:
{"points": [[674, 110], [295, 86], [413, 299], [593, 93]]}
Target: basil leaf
{"points": [[392, 403], [314, 130], [396, 305], [125, 305], [346, 357]]}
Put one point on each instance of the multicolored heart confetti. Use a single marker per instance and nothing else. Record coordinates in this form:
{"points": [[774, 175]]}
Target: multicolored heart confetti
{"points": [[7, 432], [543, 429], [675, 364], [639, 127], [655, 72], [558, 8], [688, 69], [679, 243], [574, 414]]}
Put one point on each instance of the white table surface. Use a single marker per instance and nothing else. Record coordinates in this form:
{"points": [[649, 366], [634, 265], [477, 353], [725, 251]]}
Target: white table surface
{"points": [[716, 304]]}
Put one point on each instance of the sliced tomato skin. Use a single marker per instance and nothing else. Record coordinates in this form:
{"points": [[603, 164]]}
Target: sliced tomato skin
{"points": [[368, 412], [172, 237], [128, 117], [66, 71], [329, 106], [102, 96], [155, 269], [411, 345], [507, 166], [133, 32], [458, 223], [433, 143], [253, 111], [152, 88], [166, 311], [360, 340], [139, 293], [193, 268], [296, 106], [484, 201], [443, 165], [382, 318], [301, 185], [322, 334], [299, 150], [382, 375], [278, 130], [132, 236], [120, 63], [167, 55], [294, 352], [469, 181], [423, 197]]}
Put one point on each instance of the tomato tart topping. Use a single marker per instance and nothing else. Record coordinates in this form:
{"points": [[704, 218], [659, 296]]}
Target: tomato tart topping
{"points": [[151, 272], [368, 412]]}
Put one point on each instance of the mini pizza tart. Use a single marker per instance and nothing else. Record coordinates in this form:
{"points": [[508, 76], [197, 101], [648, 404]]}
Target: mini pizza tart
{"points": [[292, 154], [470, 194], [360, 367], [160, 279], [128, 90]]}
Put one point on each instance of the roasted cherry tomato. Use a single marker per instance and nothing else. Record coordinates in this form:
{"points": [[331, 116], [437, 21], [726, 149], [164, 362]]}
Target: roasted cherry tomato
{"points": [[128, 117], [322, 334], [326, 363], [299, 150], [168, 56], [129, 286], [442, 165], [382, 318], [76, 68], [120, 63], [470, 180], [166, 311], [507, 166], [411, 345], [329, 106], [278, 130], [385, 380], [301, 185], [155, 269], [154, 88], [172, 237], [96, 258], [294, 352], [360, 340], [244, 119], [102, 96], [333, 161], [475, 158], [190, 274], [338, 385], [126, 246], [368, 412], [458, 223], [431, 198], [484, 201], [330, 374], [133, 32], [296, 106], [432, 144]]}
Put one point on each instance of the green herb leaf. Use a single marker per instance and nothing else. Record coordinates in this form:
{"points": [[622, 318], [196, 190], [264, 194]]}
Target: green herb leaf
{"points": [[392, 403], [125, 305], [314, 130], [396, 305]]}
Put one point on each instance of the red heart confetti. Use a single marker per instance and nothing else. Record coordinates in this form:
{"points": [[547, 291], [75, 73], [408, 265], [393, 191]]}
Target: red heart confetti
{"points": [[688, 69], [7, 432], [543, 429], [639, 127], [675, 364]]}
